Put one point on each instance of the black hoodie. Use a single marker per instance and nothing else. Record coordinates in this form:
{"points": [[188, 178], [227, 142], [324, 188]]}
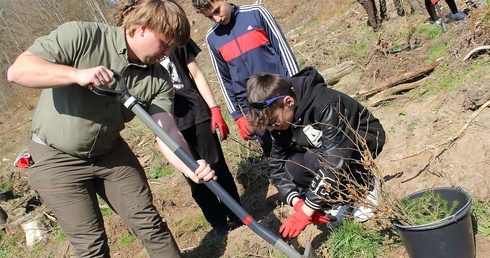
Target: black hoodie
{"points": [[325, 121]]}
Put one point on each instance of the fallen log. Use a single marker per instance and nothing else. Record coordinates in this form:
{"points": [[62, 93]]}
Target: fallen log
{"points": [[333, 75], [399, 79], [389, 94]]}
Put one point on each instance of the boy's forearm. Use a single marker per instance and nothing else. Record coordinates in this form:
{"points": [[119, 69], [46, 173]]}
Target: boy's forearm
{"points": [[202, 84], [166, 121]]}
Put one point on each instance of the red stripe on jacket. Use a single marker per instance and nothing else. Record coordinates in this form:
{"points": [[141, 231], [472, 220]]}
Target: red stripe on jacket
{"points": [[246, 42]]}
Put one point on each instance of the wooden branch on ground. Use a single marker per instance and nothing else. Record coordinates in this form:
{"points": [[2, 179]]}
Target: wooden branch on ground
{"points": [[334, 74], [399, 79], [472, 52], [450, 141], [389, 94]]}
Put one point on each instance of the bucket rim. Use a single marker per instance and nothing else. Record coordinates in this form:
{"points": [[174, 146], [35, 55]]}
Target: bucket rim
{"points": [[11, 189], [444, 221]]}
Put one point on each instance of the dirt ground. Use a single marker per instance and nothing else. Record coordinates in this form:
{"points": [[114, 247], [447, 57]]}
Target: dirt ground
{"points": [[432, 139]]}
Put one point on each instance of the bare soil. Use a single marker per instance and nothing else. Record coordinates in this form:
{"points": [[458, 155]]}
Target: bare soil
{"points": [[433, 139]]}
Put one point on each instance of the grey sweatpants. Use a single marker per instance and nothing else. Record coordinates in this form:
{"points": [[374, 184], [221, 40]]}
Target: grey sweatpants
{"points": [[68, 186]]}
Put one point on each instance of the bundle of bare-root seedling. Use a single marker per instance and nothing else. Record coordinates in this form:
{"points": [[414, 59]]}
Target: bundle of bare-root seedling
{"points": [[360, 183]]}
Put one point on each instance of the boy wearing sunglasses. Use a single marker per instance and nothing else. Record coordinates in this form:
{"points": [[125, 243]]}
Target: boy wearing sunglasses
{"points": [[319, 137]]}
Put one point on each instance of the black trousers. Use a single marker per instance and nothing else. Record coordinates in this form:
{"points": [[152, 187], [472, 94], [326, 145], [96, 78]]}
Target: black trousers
{"points": [[265, 141], [301, 168], [204, 144], [432, 10]]}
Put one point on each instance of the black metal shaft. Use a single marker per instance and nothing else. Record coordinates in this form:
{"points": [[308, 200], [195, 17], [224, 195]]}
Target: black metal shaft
{"points": [[233, 205]]}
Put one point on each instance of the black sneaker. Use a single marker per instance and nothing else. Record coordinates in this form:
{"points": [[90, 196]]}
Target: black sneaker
{"points": [[233, 224], [341, 212], [221, 232]]}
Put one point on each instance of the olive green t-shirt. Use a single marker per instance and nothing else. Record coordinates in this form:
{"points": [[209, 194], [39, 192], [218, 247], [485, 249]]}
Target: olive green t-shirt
{"points": [[77, 121]]}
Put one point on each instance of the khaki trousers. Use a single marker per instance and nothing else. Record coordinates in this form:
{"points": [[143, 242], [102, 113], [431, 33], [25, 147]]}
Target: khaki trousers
{"points": [[69, 185]]}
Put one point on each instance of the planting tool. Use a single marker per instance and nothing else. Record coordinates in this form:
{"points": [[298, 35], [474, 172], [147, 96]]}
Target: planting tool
{"points": [[131, 103], [440, 13]]}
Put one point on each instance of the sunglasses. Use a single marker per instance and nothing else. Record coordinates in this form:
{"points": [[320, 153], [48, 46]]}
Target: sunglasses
{"points": [[264, 104]]}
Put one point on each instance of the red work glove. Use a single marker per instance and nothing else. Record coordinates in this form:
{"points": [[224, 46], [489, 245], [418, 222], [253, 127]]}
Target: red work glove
{"points": [[295, 224], [317, 217], [24, 160], [218, 121], [244, 127]]}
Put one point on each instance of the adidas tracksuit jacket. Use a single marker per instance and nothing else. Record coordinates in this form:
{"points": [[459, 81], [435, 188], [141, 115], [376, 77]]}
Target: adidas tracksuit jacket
{"points": [[250, 43]]}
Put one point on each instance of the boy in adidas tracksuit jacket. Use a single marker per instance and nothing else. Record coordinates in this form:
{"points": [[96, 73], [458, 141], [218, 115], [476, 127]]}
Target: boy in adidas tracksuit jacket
{"points": [[244, 40]]}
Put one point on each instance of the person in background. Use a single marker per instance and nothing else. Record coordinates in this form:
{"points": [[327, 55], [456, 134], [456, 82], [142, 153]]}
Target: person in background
{"points": [[76, 145], [320, 137], [243, 41], [374, 20], [416, 6], [455, 14], [197, 116]]}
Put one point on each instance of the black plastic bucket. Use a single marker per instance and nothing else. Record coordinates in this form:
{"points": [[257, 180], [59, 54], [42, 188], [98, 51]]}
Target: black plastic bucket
{"points": [[446, 238]]}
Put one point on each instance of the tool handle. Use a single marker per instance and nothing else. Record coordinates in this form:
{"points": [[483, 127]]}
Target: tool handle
{"points": [[132, 104], [213, 185]]}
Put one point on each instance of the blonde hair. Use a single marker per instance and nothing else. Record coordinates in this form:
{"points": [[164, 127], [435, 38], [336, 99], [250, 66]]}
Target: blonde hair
{"points": [[166, 18]]}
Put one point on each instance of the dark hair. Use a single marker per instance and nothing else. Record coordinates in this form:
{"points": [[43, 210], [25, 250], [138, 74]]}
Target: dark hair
{"points": [[201, 5], [261, 87], [166, 18]]}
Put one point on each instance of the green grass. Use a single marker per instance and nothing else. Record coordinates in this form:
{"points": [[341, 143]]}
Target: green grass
{"points": [[392, 129], [37, 251], [437, 50], [352, 239], [358, 48], [358, 51], [8, 244], [481, 213], [190, 226], [135, 129], [104, 207], [429, 30], [411, 127], [450, 80], [58, 234], [477, 70], [5, 186], [125, 240], [160, 172]]}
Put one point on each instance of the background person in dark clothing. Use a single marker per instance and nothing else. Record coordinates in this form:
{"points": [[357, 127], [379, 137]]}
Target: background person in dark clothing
{"points": [[374, 20], [455, 14]]}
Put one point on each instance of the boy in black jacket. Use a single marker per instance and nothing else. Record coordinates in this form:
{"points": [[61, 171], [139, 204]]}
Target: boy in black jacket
{"points": [[319, 137], [197, 115]]}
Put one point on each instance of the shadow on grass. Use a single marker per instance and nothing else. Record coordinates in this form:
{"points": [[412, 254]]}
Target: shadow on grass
{"points": [[210, 247], [253, 174]]}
